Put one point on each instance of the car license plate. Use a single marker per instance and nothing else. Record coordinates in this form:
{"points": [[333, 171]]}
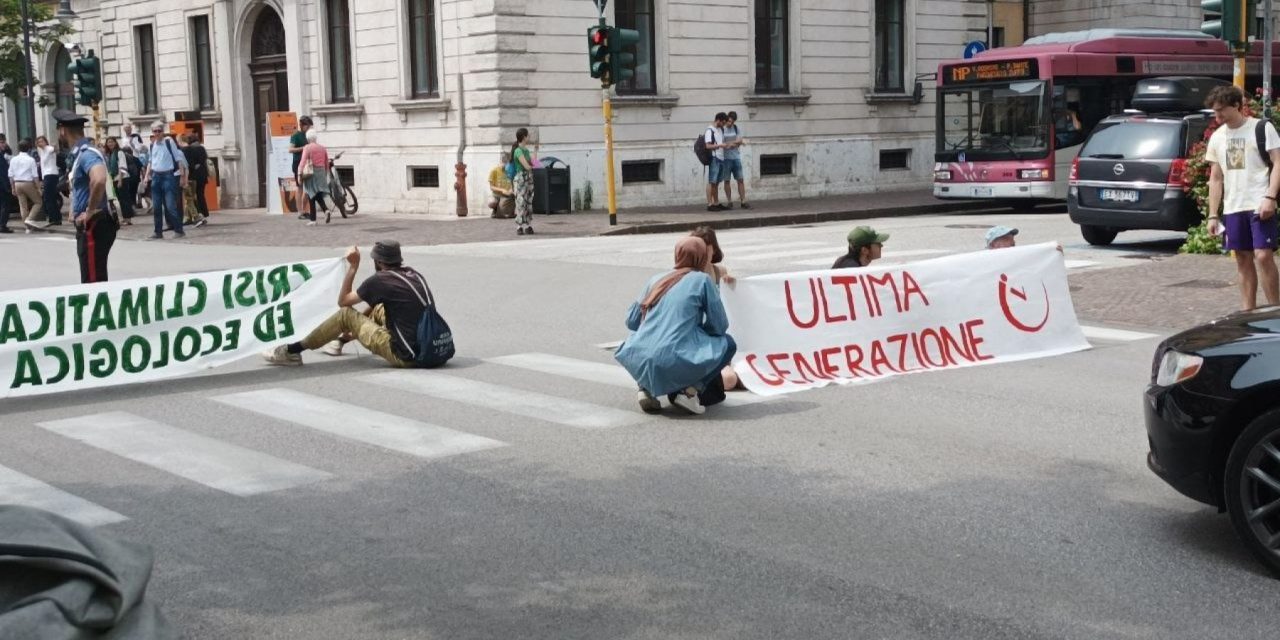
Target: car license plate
{"points": [[1119, 195], [983, 192]]}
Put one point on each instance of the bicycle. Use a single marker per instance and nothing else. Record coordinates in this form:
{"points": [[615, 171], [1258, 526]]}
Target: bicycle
{"points": [[344, 199]]}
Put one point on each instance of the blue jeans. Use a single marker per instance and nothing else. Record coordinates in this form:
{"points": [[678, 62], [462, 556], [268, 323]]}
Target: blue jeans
{"points": [[164, 201]]}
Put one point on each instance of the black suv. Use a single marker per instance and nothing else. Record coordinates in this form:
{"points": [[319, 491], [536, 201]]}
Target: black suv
{"points": [[1129, 175]]}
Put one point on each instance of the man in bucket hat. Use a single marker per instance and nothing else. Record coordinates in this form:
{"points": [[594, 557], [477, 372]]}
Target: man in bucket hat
{"points": [[864, 246], [396, 295], [1001, 237]]}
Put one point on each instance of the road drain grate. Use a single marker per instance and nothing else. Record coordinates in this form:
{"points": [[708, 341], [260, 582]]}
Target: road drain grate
{"points": [[968, 226], [1201, 284], [385, 229]]}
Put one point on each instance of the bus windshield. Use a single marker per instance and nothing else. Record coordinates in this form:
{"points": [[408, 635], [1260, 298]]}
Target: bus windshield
{"points": [[993, 122]]}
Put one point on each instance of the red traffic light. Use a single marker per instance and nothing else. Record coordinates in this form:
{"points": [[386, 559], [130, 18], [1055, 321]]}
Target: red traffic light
{"points": [[597, 37]]}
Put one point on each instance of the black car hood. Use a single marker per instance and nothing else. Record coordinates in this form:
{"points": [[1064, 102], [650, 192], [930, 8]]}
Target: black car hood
{"points": [[1258, 323]]}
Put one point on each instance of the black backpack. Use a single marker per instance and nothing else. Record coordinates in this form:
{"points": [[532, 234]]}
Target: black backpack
{"points": [[435, 339], [700, 149], [134, 165], [1260, 135]]}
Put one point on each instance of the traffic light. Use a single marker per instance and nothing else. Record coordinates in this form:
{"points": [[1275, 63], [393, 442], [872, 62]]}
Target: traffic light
{"points": [[598, 38], [622, 64], [86, 74], [1230, 20]]}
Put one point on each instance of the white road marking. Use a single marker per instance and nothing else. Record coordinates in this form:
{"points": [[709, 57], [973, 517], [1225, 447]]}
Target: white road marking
{"points": [[1079, 264], [360, 424], [728, 247], [610, 374], [887, 255], [1116, 335], [529, 404], [17, 488], [213, 463], [796, 253]]}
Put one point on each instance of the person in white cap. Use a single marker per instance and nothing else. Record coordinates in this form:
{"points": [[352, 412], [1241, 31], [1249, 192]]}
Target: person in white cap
{"points": [[1001, 237]]}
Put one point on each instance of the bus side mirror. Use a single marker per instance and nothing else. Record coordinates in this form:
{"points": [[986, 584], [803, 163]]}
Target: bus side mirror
{"points": [[917, 94]]}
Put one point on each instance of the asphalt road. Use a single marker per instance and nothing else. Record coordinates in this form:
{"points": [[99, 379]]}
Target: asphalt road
{"points": [[1008, 501]]}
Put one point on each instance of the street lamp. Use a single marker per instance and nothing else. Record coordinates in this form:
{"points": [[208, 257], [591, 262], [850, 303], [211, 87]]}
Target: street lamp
{"points": [[64, 11]]}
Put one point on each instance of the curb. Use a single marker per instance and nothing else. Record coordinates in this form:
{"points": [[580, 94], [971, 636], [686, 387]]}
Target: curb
{"points": [[786, 219]]}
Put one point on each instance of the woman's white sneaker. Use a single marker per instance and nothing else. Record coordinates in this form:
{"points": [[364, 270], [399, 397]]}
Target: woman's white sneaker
{"points": [[688, 402]]}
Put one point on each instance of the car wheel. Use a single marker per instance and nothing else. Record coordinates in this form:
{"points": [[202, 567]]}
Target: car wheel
{"points": [[1098, 236], [1252, 488]]}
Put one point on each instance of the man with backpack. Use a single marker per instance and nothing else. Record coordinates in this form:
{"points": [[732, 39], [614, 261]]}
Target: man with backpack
{"points": [[399, 299], [709, 148], [1242, 153]]}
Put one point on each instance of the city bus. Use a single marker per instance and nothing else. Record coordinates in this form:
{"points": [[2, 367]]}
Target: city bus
{"points": [[1010, 120]]}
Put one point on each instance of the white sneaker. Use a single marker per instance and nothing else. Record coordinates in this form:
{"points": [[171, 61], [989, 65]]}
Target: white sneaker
{"points": [[333, 348], [648, 403], [311, 224], [688, 401], [280, 356]]}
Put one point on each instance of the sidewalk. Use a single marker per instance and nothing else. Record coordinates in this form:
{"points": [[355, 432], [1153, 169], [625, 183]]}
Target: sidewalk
{"points": [[1168, 292], [255, 227]]}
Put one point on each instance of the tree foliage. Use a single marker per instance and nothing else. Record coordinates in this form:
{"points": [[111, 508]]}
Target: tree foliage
{"points": [[45, 33]]}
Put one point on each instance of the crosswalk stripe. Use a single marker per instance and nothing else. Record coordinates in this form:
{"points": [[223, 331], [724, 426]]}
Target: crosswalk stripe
{"points": [[888, 255], [610, 374], [1078, 264], [795, 253], [20, 489], [213, 463], [1117, 335], [360, 424], [728, 247], [529, 404]]}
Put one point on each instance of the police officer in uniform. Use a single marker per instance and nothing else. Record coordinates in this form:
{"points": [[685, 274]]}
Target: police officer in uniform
{"points": [[96, 227]]}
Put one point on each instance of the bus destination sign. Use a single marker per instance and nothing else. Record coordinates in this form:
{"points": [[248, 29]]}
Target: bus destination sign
{"points": [[991, 71]]}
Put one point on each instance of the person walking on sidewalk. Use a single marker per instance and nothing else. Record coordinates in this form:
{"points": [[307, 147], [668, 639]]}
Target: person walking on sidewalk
{"points": [[118, 172], [49, 174], [732, 167], [298, 142], [396, 295], [523, 182], [679, 342], [1245, 184], [167, 176], [864, 247], [713, 140], [96, 228], [198, 170], [6, 189], [24, 179], [315, 159]]}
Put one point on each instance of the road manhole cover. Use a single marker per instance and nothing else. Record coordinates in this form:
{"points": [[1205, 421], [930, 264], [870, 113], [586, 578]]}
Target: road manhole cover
{"points": [[385, 229], [1202, 284], [968, 226], [1140, 256]]}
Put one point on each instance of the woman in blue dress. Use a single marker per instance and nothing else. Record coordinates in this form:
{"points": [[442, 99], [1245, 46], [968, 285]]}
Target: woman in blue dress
{"points": [[678, 343]]}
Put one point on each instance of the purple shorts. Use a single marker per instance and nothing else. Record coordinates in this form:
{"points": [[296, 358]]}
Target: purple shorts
{"points": [[1246, 232]]}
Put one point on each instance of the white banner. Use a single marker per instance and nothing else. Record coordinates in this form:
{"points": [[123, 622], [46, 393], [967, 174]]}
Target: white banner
{"points": [[805, 330], [112, 333]]}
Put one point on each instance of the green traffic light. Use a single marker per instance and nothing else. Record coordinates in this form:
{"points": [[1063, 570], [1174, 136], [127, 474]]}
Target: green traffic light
{"points": [[1229, 20], [622, 63]]}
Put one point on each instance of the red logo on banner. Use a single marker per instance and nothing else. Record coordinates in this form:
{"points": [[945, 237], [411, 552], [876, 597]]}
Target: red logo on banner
{"points": [[1021, 295]]}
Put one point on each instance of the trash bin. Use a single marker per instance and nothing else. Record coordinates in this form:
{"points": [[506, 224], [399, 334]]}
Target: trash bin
{"points": [[551, 187]]}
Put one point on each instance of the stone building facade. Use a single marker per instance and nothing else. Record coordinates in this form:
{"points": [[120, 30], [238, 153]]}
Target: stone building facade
{"points": [[409, 88]]}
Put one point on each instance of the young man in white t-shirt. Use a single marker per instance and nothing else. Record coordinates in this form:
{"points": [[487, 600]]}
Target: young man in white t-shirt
{"points": [[1246, 189], [713, 139]]}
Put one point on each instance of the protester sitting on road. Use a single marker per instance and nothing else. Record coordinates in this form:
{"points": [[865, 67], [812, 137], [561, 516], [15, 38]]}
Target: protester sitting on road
{"points": [[395, 294], [679, 345], [718, 274], [1001, 237], [864, 246], [502, 200]]}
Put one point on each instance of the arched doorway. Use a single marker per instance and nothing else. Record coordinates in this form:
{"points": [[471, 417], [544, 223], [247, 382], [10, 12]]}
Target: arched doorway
{"points": [[269, 73]]}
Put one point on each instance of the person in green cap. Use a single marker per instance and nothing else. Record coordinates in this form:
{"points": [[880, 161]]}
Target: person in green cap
{"points": [[864, 246]]}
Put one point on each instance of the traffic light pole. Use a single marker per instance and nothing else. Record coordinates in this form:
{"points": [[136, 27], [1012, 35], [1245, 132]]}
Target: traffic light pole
{"points": [[97, 125], [610, 189], [1238, 64]]}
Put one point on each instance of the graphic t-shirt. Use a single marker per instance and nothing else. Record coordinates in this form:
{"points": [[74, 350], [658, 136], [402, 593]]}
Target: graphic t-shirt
{"points": [[403, 306], [1245, 175]]}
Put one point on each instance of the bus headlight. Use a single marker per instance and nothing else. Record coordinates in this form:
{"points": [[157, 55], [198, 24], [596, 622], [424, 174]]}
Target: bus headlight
{"points": [[1033, 174], [942, 176]]}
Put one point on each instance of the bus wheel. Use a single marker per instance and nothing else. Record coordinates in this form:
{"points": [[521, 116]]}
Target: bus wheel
{"points": [[1098, 236]]}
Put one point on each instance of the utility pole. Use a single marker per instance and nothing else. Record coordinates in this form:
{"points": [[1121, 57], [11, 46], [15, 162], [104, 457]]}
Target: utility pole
{"points": [[1267, 37], [26, 67]]}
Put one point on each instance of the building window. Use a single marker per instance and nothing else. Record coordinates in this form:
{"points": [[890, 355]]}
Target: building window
{"points": [[641, 171], [64, 85], [424, 177], [895, 159], [422, 48], [997, 37], [771, 46], [638, 15], [338, 18], [145, 48], [777, 165], [204, 62], [346, 176], [890, 46]]}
